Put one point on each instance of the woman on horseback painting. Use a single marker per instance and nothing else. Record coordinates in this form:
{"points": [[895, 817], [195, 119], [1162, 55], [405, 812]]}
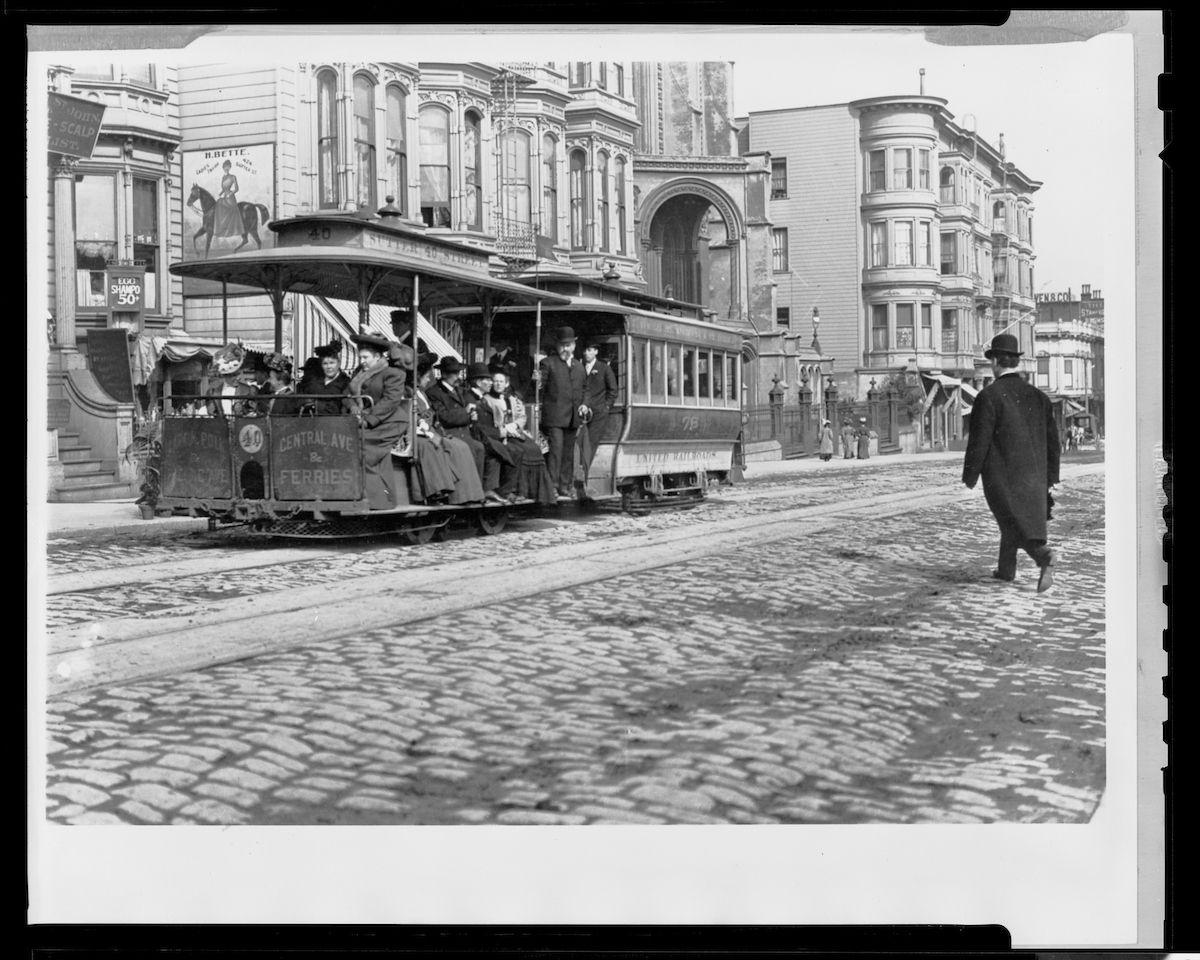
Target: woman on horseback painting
{"points": [[227, 222]]}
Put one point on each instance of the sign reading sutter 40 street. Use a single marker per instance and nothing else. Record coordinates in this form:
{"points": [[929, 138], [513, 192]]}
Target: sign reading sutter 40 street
{"points": [[74, 125]]}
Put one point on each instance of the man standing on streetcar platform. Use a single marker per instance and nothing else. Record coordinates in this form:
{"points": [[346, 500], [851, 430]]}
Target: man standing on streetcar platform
{"points": [[1014, 446], [562, 378]]}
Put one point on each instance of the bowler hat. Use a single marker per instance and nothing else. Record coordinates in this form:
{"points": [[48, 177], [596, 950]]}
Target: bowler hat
{"points": [[426, 361], [1003, 343], [477, 370], [372, 340], [564, 335], [449, 365]]}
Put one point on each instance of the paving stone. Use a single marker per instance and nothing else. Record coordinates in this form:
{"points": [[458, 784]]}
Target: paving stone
{"points": [[370, 803], [80, 793], [172, 778], [184, 761], [97, 778], [154, 795], [94, 818], [213, 811], [140, 811]]}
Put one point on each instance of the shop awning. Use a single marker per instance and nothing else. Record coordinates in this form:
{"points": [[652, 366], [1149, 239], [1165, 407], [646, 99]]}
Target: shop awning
{"points": [[1070, 406]]}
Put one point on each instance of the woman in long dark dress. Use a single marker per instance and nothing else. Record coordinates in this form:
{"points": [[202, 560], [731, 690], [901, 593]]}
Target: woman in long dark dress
{"points": [[227, 219], [467, 487], [384, 420], [430, 477], [533, 477], [330, 380]]}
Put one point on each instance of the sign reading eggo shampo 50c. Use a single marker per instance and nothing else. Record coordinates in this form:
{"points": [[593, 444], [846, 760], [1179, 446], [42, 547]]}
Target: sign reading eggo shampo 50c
{"points": [[74, 125]]}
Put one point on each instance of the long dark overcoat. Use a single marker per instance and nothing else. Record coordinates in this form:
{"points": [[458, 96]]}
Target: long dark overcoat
{"points": [[562, 392], [385, 422], [1013, 445]]}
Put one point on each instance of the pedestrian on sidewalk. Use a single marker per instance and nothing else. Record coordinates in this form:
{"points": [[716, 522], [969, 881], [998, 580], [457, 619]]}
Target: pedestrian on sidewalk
{"points": [[847, 440], [1014, 446], [864, 439], [826, 441]]}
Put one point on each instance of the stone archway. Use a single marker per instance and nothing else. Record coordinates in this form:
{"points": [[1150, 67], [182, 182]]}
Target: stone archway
{"points": [[690, 236]]}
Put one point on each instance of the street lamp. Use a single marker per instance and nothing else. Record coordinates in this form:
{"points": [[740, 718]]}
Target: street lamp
{"points": [[816, 322]]}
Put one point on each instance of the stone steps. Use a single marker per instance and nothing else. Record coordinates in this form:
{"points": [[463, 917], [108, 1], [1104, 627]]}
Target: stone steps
{"points": [[89, 493]]}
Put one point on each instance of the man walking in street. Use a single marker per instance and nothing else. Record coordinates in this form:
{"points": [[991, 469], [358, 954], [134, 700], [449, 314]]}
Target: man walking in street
{"points": [[562, 404], [1014, 446]]}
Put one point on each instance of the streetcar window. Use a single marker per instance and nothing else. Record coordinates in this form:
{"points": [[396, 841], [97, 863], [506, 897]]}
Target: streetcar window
{"points": [[658, 388], [705, 387], [731, 379], [637, 369], [718, 376], [674, 351], [689, 375]]}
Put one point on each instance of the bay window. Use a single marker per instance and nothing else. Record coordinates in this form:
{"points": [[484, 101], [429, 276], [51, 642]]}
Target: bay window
{"points": [[473, 172], [904, 239], [397, 154], [923, 167], [95, 236], [902, 168], [926, 327], [879, 326], [877, 178], [946, 184], [580, 198], [924, 244], [949, 331], [879, 256], [550, 188], [364, 141], [602, 176], [949, 253], [435, 165], [904, 325], [621, 215], [327, 139], [515, 189]]}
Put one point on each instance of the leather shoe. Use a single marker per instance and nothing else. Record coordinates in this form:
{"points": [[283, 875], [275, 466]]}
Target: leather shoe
{"points": [[999, 576], [1046, 578], [493, 497]]}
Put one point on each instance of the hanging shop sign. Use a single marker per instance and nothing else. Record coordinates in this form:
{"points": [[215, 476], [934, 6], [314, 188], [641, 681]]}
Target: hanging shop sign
{"points": [[74, 125]]}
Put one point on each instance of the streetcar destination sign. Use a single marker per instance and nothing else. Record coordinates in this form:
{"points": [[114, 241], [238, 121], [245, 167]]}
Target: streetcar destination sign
{"points": [[74, 125]]}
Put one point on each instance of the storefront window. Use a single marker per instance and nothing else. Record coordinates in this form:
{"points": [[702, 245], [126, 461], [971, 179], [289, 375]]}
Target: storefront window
{"points": [[95, 236], [718, 375], [515, 177], [473, 171], [364, 141], [689, 373], [550, 188], [397, 154], [327, 141], [145, 235], [674, 350], [435, 166]]}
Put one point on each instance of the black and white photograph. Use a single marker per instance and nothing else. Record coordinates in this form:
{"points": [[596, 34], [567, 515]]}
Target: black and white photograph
{"points": [[743, 434]]}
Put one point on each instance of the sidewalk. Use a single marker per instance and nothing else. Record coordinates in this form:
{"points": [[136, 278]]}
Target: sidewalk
{"points": [[113, 519], [762, 469]]}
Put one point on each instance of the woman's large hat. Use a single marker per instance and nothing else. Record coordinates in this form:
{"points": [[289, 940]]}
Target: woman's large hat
{"points": [[229, 359], [1003, 343], [372, 340], [331, 349], [426, 362], [279, 362]]}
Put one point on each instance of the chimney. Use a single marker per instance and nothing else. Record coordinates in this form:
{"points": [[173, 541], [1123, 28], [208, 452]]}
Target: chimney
{"points": [[1085, 292]]}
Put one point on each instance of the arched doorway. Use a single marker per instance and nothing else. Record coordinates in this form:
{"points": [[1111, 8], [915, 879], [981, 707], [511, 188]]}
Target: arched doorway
{"points": [[690, 241]]}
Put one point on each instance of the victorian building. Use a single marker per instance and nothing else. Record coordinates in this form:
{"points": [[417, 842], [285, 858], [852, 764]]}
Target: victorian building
{"points": [[112, 214], [1069, 354], [909, 234]]}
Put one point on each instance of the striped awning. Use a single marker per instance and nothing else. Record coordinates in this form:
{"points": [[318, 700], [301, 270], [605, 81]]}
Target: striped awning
{"points": [[380, 319]]}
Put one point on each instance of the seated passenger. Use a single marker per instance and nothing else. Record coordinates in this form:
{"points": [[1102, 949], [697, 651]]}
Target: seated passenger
{"points": [[467, 486], [230, 395], [328, 379], [533, 478], [452, 411], [279, 389], [384, 420], [499, 467]]}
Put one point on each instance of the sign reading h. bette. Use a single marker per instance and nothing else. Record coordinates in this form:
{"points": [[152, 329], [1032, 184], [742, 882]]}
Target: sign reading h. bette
{"points": [[74, 125]]}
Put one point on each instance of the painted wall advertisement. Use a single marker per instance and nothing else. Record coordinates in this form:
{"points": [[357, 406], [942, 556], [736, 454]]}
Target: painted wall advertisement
{"points": [[229, 198]]}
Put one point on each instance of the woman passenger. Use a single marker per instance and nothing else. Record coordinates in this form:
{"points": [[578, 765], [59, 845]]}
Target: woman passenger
{"points": [[467, 486], [384, 421], [283, 402], [533, 477], [329, 380]]}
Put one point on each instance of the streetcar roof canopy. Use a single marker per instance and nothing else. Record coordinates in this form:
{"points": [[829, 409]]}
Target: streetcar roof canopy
{"points": [[361, 259]]}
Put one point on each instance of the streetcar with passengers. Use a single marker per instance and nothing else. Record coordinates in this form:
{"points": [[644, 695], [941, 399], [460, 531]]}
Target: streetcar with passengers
{"points": [[671, 434]]}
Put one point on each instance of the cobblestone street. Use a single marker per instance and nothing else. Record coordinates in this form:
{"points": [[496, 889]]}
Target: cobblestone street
{"points": [[868, 670]]}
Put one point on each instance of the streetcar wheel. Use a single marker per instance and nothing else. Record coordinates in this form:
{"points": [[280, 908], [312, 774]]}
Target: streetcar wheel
{"points": [[418, 536], [491, 522], [633, 501]]}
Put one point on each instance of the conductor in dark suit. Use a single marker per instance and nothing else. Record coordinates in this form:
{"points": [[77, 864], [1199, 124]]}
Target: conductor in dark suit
{"points": [[1014, 446], [599, 390], [452, 409], [562, 404]]}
